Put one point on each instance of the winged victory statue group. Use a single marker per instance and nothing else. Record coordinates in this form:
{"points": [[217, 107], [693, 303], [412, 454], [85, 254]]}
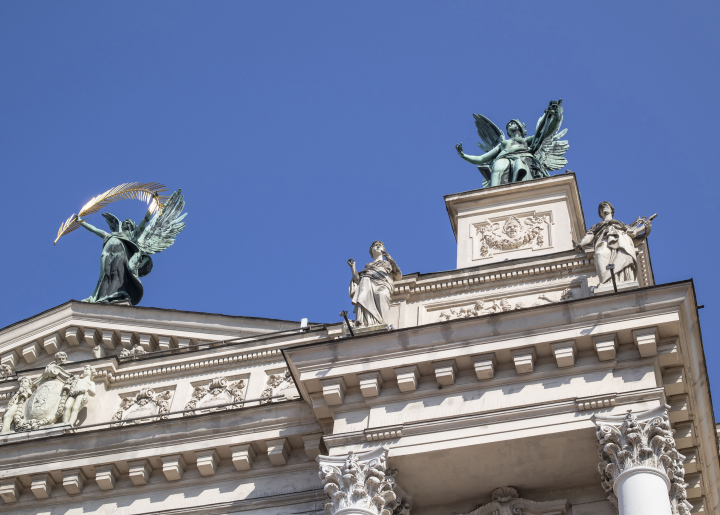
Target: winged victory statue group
{"points": [[519, 157]]}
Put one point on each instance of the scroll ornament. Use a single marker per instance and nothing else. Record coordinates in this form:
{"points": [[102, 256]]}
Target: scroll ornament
{"points": [[649, 444]]}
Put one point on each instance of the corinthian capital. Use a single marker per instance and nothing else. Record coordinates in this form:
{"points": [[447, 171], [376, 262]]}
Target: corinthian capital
{"points": [[358, 484], [641, 440]]}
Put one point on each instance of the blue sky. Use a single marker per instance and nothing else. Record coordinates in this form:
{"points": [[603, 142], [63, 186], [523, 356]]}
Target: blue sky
{"points": [[302, 131]]}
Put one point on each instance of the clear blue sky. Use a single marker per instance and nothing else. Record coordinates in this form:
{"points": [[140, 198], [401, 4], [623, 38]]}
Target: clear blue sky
{"points": [[302, 131]]}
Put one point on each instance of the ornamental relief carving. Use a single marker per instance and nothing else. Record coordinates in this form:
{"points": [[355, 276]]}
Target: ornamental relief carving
{"points": [[282, 382], [55, 397], [512, 233], [216, 396], [147, 403], [482, 307], [507, 501], [631, 443], [361, 483]]}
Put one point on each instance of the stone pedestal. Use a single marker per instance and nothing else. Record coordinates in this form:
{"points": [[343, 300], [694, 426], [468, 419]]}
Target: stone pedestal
{"points": [[515, 221]]}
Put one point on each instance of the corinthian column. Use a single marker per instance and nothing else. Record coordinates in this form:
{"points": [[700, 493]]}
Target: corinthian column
{"points": [[359, 484], [640, 469]]}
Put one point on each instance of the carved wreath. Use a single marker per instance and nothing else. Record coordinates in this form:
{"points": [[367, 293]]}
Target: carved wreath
{"points": [[23, 395], [215, 388], [513, 235]]}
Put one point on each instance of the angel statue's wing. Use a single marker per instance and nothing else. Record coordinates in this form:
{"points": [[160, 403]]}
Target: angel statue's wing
{"points": [[165, 225], [112, 221], [489, 133], [551, 153]]}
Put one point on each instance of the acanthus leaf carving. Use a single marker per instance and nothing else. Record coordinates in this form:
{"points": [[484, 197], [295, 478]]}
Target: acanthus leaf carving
{"points": [[631, 442], [217, 391], [361, 481]]}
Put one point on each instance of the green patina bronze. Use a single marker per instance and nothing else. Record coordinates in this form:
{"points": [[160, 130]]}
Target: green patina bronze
{"points": [[127, 249], [520, 157]]}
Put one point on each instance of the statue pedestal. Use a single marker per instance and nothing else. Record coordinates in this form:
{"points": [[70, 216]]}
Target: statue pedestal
{"points": [[363, 330], [515, 221], [49, 431], [606, 288]]}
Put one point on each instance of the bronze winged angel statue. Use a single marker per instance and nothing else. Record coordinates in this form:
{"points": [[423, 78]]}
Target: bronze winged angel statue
{"points": [[127, 249], [519, 157]]}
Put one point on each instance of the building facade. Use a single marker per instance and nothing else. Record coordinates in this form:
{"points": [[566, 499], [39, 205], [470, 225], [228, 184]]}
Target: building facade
{"points": [[531, 379]]}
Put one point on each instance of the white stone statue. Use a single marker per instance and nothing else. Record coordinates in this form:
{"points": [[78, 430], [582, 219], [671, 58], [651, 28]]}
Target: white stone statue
{"points": [[371, 289], [54, 395], [17, 402], [82, 388], [614, 243]]}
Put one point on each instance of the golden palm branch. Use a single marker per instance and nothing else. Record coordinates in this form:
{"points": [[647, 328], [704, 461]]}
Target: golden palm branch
{"points": [[148, 192]]}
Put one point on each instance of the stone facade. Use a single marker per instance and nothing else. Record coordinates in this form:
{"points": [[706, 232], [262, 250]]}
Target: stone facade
{"points": [[504, 386]]}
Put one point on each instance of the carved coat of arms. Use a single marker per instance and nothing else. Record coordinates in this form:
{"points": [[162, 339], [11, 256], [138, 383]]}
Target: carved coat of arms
{"points": [[512, 235]]}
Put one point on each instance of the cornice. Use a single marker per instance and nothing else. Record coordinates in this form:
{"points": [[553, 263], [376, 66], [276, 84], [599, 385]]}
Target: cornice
{"points": [[494, 275], [492, 416]]}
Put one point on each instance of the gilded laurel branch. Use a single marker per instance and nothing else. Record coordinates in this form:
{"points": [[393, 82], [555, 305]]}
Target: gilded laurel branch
{"points": [[148, 192]]}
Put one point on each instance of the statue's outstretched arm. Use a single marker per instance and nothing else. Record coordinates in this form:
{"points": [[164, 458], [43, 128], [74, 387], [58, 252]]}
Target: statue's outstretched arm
{"points": [[586, 240], [94, 229], [143, 223], [486, 158]]}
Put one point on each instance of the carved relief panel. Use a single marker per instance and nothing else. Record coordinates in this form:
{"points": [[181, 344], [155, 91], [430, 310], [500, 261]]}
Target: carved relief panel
{"points": [[508, 234], [452, 309], [279, 383], [220, 393], [145, 403]]}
